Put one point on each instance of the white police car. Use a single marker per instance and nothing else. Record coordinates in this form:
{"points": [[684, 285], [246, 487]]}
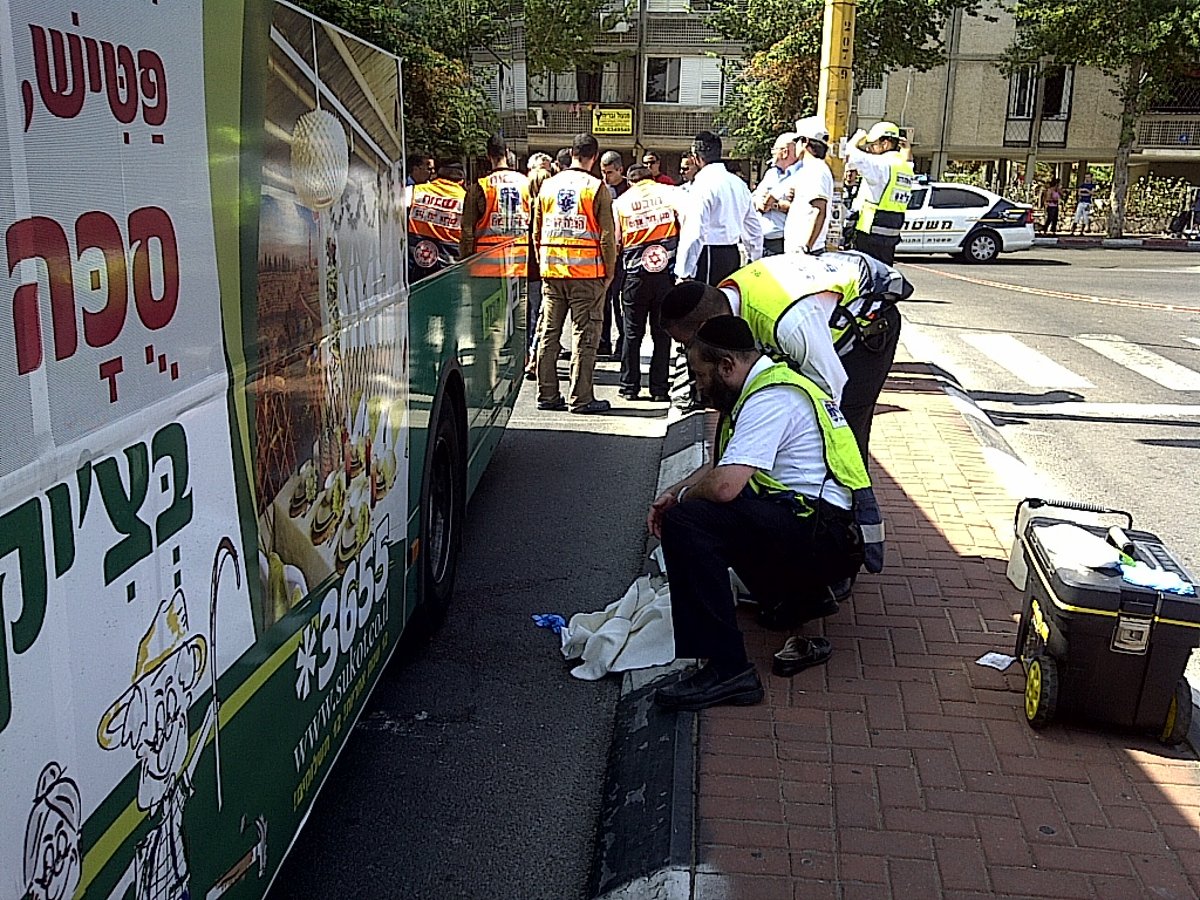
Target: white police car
{"points": [[966, 220]]}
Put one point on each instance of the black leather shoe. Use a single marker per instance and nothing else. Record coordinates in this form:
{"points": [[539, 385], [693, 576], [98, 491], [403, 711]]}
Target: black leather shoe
{"points": [[592, 407], [558, 404], [800, 653], [705, 688], [660, 398], [789, 615], [629, 393]]}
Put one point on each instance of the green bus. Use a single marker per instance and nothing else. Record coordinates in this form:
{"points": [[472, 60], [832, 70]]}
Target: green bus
{"points": [[237, 442]]}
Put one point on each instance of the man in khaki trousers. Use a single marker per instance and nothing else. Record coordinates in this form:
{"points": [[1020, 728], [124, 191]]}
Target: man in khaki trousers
{"points": [[577, 254]]}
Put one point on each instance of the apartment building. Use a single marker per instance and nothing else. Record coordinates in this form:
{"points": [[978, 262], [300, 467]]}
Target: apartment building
{"points": [[967, 109], [660, 79]]}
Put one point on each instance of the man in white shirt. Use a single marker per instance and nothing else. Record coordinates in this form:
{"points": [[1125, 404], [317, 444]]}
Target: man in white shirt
{"points": [[721, 213], [774, 506], [807, 224], [772, 197]]}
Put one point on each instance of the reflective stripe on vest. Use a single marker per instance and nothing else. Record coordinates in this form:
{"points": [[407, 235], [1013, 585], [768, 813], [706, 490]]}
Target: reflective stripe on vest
{"points": [[886, 217], [436, 211], [842, 458], [649, 227], [569, 243], [502, 237]]}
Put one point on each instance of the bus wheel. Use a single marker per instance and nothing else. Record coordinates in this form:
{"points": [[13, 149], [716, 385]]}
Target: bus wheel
{"points": [[443, 503]]}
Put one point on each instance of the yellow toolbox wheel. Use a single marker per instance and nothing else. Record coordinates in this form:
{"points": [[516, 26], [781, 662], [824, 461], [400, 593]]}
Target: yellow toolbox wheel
{"points": [[1179, 715], [1041, 690]]}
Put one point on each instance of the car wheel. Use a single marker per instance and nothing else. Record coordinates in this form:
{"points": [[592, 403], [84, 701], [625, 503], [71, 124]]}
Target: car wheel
{"points": [[981, 247], [443, 507]]}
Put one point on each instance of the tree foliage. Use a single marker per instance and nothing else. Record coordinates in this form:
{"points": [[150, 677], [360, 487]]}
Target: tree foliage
{"points": [[779, 82], [445, 114], [563, 34], [1141, 44]]}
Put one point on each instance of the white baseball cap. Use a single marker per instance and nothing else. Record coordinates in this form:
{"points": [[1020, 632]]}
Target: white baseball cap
{"points": [[813, 129]]}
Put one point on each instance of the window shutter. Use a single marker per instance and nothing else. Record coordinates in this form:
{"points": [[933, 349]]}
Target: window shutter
{"points": [[691, 70], [710, 81]]}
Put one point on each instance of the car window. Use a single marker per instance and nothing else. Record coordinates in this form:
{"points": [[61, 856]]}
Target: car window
{"points": [[957, 198], [917, 200]]}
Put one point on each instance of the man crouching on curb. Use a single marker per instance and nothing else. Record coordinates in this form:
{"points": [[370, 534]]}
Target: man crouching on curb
{"points": [[775, 508]]}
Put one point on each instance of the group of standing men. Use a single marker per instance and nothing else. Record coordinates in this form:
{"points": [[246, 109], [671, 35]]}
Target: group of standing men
{"points": [[792, 349]]}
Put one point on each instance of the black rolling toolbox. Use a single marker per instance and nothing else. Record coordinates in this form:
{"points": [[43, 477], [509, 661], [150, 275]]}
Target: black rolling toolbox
{"points": [[1095, 647]]}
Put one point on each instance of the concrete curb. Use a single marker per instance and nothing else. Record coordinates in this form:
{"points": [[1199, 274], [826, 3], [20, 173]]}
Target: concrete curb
{"points": [[1095, 243], [645, 841]]}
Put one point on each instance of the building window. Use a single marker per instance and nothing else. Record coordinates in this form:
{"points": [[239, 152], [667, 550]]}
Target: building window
{"points": [[1056, 93], [554, 87], [662, 79]]}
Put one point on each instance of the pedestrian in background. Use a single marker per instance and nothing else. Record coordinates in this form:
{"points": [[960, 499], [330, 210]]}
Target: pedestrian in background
{"points": [[648, 229], [771, 197], [1083, 205], [497, 210], [687, 173], [720, 214], [886, 178], [562, 161], [811, 191], [612, 169], [1051, 199], [651, 159], [577, 253]]}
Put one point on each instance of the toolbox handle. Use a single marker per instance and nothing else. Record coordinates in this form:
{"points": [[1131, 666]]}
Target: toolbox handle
{"points": [[1038, 503]]}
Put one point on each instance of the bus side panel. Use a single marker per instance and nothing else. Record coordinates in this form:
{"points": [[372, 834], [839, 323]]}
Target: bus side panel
{"points": [[204, 478]]}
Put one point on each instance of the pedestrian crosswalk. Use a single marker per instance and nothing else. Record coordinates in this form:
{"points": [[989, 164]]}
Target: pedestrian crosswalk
{"points": [[1115, 366]]}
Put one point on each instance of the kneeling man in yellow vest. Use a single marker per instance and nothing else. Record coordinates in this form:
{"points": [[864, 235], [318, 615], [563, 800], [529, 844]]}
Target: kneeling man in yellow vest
{"points": [[775, 505]]}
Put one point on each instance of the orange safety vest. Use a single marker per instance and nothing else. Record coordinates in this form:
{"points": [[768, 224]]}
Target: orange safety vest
{"points": [[436, 211], [569, 243], [502, 236], [649, 227]]}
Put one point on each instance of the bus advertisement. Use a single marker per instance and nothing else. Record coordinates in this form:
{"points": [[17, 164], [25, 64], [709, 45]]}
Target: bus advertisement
{"points": [[237, 444]]}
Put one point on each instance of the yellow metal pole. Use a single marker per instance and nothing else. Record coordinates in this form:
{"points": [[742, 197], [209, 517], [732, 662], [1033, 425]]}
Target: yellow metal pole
{"points": [[837, 61], [833, 97]]}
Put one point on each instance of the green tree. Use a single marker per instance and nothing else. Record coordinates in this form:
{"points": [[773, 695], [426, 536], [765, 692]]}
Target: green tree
{"points": [[1141, 44], [563, 34], [445, 114], [779, 81]]}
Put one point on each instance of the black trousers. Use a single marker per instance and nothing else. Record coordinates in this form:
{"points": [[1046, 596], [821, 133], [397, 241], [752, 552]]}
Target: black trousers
{"points": [[717, 262], [612, 310], [882, 247], [867, 366], [772, 246], [780, 557], [641, 302]]}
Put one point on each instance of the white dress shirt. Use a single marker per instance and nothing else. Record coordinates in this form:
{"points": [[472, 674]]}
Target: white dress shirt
{"points": [[722, 213], [775, 182], [777, 432], [812, 181]]}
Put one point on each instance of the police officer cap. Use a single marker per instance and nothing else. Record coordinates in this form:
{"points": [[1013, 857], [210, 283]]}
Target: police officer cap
{"points": [[727, 333], [680, 300]]}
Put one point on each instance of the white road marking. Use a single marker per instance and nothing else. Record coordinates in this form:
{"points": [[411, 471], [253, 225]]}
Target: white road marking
{"points": [[1195, 341], [1101, 410], [1034, 368], [1146, 363]]}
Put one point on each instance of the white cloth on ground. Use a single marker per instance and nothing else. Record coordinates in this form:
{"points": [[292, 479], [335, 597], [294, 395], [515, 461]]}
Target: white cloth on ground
{"points": [[634, 632]]}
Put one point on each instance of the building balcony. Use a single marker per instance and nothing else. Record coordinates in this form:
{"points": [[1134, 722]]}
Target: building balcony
{"points": [[686, 31], [564, 119], [1018, 132], [666, 121], [1158, 131]]}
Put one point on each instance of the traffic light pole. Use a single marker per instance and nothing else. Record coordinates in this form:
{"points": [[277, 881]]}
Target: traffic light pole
{"points": [[833, 98]]}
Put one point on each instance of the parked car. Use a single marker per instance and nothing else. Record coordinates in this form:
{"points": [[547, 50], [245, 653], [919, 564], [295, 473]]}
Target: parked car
{"points": [[962, 219]]}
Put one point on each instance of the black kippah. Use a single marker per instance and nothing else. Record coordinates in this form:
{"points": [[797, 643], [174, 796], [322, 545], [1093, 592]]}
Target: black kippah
{"points": [[680, 300], [727, 333]]}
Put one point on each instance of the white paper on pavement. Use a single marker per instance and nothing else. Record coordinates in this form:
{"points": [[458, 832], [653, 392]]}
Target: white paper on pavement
{"points": [[998, 661], [634, 632]]}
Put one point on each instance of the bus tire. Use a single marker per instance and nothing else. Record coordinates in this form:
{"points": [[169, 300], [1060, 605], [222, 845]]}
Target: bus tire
{"points": [[443, 509]]}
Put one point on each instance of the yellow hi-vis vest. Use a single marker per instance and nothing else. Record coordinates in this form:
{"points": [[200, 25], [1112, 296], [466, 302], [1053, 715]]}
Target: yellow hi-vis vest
{"points": [[774, 284], [569, 243], [502, 237], [886, 216], [842, 457]]}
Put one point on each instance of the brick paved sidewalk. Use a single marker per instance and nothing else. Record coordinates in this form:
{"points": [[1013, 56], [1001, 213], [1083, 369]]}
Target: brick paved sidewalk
{"points": [[903, 769]]}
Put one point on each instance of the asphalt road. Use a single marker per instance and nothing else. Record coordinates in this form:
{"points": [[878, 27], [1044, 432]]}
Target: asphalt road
{"points": [[1089, 373], [477, 770]]}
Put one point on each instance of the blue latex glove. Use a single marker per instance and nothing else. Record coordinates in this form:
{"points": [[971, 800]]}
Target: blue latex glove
{"points": [[1158, 579], [553, 621]]}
